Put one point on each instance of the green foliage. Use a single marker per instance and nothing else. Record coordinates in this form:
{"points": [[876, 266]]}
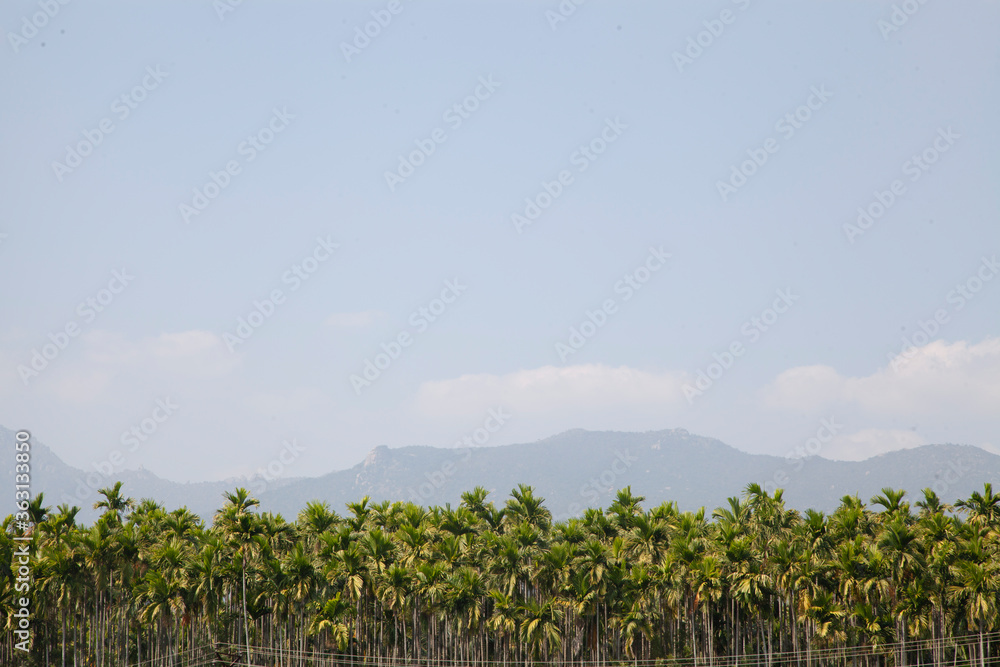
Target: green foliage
{"points": [[479, 584]]}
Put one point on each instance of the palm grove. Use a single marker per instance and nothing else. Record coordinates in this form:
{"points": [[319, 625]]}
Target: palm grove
{"points": [[389, 583]]}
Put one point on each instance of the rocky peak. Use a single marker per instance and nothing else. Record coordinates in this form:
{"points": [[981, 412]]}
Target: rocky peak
{"points": [[376, 456]]}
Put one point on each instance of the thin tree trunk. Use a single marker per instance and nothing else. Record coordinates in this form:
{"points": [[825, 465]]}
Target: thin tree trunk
{"points": [[246, 629]]}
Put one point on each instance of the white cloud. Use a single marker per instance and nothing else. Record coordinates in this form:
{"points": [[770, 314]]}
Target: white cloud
{"points": [[806, 388], [936, 380], [194, 353], [552, 390], [107, 356]]}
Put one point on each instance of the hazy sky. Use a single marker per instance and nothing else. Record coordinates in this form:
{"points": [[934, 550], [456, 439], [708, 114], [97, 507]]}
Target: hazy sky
{"points": [[689, 174]]}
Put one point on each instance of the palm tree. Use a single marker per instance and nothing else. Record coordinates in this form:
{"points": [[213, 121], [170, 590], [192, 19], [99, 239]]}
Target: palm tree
{"points": [[540, 627], [317, 518], [330, 618], [160, 603], [114, 503], [647, 539], [241, 528], [524, 506], [892, 501], [626, 508], [983, 508], [976, 593], [36, 512], [902, 548], [394, 590]]}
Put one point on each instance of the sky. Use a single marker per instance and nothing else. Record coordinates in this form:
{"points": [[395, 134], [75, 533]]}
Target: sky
{"points": [[229, 226]]}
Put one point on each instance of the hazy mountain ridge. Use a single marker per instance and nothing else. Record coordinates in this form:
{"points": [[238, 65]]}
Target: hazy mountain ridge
{"points": [[63, 483], [571, 470]]}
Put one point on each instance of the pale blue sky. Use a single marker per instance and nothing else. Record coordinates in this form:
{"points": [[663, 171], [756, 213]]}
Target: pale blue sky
{"points": [[656, 185]]}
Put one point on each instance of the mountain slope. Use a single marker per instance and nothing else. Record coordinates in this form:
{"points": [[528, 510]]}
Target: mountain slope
{"points": [[62, 483], [572, 471], [580, 469]]}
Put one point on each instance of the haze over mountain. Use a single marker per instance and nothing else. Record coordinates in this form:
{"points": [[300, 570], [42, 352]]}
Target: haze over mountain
{"points": [[572, 471]]}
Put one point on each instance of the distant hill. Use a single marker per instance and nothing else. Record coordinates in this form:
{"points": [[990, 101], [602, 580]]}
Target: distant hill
{"points": [[62, 483], [572, 471]]}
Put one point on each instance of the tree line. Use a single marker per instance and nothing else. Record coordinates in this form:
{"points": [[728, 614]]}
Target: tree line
{"points": [[755, 583]]}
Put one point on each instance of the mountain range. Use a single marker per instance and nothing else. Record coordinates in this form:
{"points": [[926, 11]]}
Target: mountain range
{"points": [[572, 471]]}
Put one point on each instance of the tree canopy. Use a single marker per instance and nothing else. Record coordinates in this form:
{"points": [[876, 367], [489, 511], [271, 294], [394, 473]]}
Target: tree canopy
{"points": [[885, 583]]}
